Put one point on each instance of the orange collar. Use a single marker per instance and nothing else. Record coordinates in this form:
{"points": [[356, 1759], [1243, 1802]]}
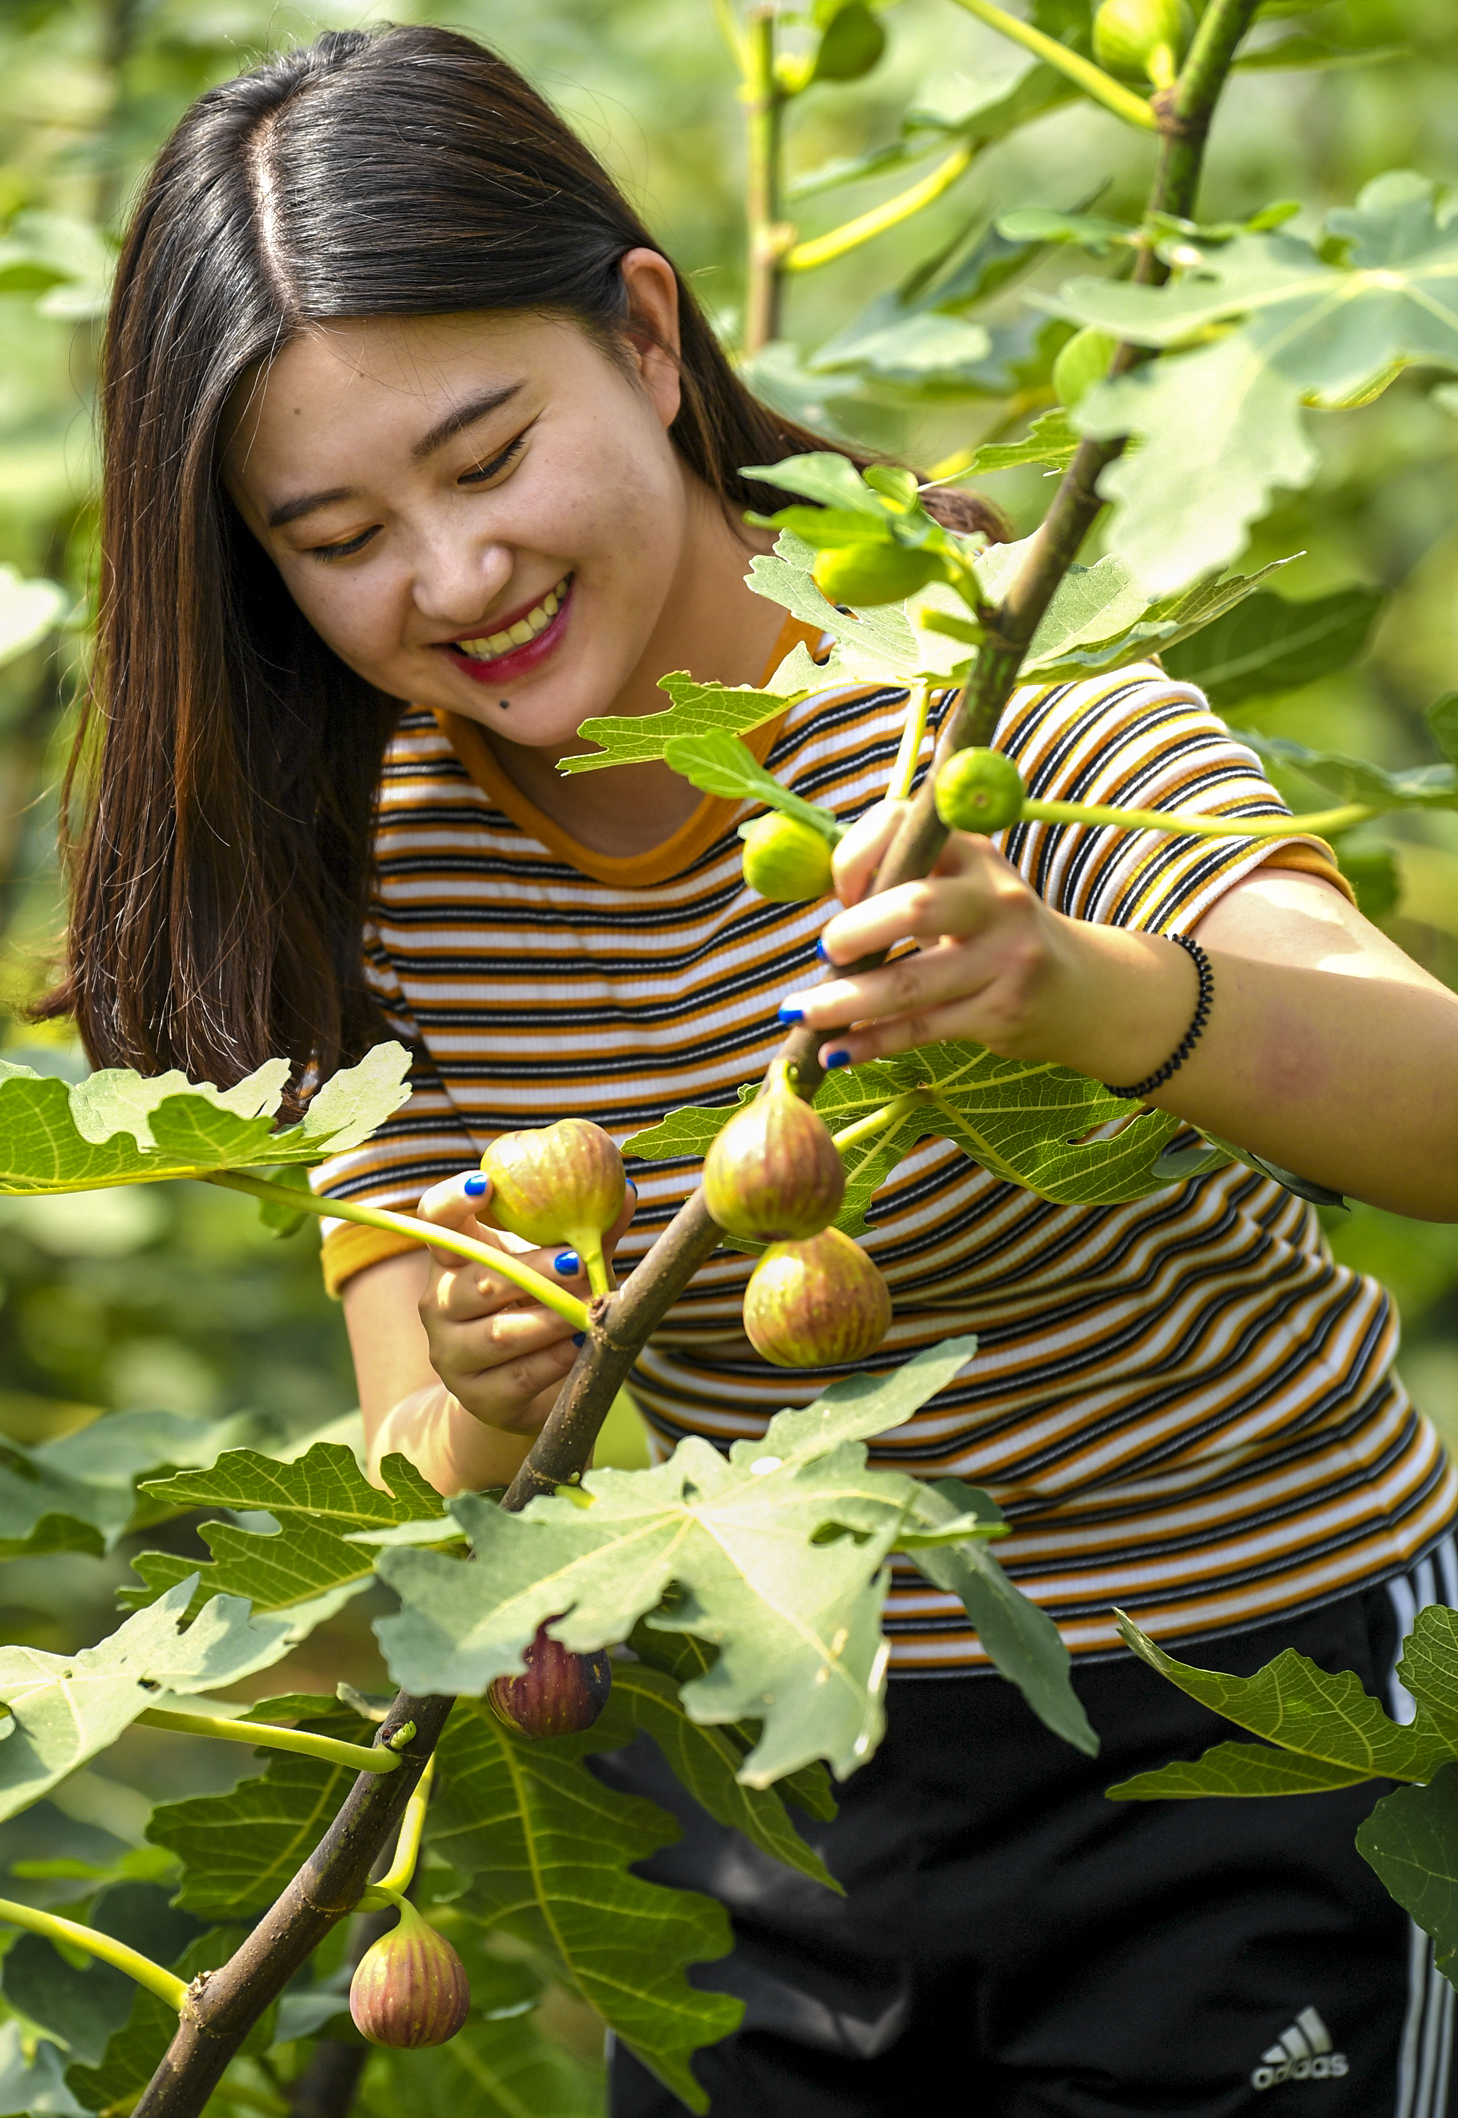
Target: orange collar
{"points": [[698, 831]]}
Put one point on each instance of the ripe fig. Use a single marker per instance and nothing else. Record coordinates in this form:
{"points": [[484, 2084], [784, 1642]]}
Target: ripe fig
{"points": [[557, 1694], [786, 860], [979, 790], [875, 572], [410, 1987], [816, 1304], [774, 1172], [561, 1183], [1081, 363], [1142, 39]]}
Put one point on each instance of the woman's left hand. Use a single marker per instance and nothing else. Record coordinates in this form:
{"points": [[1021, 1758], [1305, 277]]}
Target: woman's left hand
{"points": [[992, 964]]}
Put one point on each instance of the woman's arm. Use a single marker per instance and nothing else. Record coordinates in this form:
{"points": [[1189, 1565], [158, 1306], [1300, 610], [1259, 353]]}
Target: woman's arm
{"points": [[1327, 1051], [456, 1368]]}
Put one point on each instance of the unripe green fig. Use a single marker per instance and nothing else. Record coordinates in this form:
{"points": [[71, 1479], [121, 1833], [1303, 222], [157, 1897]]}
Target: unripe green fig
{"points": [[1081, 363], [1142, 39], [786, 860], [557, 1694], [979, 790], [864, 574], [410, 1987], [774, 1173], [561, 1183], [817, 1304]]}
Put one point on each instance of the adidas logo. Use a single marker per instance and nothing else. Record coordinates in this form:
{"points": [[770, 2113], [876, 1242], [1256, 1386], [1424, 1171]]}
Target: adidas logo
{"points": [[1303, 2054]]}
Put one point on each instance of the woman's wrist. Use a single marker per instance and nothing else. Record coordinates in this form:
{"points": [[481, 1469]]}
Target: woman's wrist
{"points": [[449, 1446], [1119, 1003]]}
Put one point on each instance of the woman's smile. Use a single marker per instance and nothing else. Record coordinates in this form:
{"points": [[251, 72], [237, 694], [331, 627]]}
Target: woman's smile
{"points": [[520, 643]]}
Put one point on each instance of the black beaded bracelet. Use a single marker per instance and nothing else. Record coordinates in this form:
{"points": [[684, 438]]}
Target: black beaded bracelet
{"points": [[1191, 1037]]}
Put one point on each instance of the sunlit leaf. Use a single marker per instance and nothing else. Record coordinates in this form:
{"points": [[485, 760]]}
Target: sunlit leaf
{"points": [[28, 609], [79, 1492], [720, 764], [1291, 329], [735, 1536], [1049, 440], [66, 1708], [1353, 779], [319, 1500], [117, 1127], [697, 709]]}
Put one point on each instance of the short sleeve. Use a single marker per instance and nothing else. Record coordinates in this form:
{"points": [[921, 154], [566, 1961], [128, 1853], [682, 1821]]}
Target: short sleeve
{"points": [[422, 1143], [1140, 740]]}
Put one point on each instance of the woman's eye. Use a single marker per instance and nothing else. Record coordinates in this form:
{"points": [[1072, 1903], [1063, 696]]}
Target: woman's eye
{"points": [[498, 463], [341, 551]]}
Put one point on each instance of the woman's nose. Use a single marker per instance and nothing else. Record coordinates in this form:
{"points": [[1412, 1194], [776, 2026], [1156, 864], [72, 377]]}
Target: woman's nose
{"points": [[457, 578]]}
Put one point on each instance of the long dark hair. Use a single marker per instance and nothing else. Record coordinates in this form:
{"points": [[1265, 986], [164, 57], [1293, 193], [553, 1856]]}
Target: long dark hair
{"points": [[230, 760]]}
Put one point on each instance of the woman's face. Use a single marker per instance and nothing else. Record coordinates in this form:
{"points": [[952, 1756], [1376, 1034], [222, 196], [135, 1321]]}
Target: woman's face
{"points": [[482, 513]]}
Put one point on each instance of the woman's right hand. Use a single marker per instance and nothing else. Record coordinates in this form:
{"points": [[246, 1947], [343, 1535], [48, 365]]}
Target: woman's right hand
{"points": [[501, 1356]]}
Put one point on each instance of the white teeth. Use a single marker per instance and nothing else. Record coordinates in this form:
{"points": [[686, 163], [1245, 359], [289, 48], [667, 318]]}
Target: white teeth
{"points": [[536, 621]]}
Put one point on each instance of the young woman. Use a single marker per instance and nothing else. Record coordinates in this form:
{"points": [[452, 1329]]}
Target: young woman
{"points": [[418, 455]]}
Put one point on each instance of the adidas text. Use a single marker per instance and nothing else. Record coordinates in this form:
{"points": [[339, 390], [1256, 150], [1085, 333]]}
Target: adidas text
{"points": [[1303, 2053]]}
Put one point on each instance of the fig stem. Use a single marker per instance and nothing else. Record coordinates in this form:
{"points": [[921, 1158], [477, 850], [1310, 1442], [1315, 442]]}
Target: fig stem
{"points": [[401, 1871], [165, 1984], [1319, 823], [903, 772], [502, 1262], [882, 1120], [363, 1757]]}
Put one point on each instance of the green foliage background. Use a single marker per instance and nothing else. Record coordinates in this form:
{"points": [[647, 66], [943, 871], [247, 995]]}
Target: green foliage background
{"points": [[174, 1297]]}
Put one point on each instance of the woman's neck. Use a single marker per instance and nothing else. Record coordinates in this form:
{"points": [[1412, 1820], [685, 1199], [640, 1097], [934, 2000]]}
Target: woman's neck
{"points": [[714, 626]]}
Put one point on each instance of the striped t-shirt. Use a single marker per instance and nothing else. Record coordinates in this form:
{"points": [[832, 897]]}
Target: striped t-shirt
{"points": [[1183, 1405]]}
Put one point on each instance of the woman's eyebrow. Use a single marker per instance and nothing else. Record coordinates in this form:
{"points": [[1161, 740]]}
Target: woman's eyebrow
{"points": [[455, 422], [463, 416]]}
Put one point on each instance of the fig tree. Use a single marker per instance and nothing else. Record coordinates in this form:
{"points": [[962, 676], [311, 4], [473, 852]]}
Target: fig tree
{"points": [[560, 1183], [979, 790], [1142, 39], [774, 1172], [557, 1694], [410, 1987], [816, 1304], [786, 860]]}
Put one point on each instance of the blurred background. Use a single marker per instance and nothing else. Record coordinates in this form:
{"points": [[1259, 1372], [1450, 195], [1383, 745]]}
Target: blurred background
{"points": [[173, 1297]]}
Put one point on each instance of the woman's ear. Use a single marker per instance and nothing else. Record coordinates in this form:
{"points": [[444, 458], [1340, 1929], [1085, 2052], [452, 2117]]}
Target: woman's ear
{"points": [[652, 328]]}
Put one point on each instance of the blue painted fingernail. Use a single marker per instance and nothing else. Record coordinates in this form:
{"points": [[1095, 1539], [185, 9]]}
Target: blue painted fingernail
{"points": [[834, 1059], [632, 1187], [823, 953], [568, 1263], [791, 1015], [579, 1338], [475, 1186]]}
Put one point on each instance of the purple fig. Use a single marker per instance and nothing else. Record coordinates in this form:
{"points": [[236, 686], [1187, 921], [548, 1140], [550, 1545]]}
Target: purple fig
{"points": [[774, 1174], [557, 1694], [410, 1987], [561, 1183], [817, 1304]]}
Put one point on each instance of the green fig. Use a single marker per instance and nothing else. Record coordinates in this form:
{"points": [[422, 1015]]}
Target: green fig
{"points": [[410, 1987], [786, 860], [561, 1183], [1081, 363], [979, 790], [869, 573], [1142, 39], [557, 1694], [774, 1172], [818, 1304]]}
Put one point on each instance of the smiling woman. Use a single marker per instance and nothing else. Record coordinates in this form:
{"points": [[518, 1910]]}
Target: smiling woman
{"points": [[451, 381]]}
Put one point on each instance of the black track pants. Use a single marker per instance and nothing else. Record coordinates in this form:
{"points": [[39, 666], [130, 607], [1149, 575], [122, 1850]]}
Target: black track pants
{"points": [[1012, 1945]]}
